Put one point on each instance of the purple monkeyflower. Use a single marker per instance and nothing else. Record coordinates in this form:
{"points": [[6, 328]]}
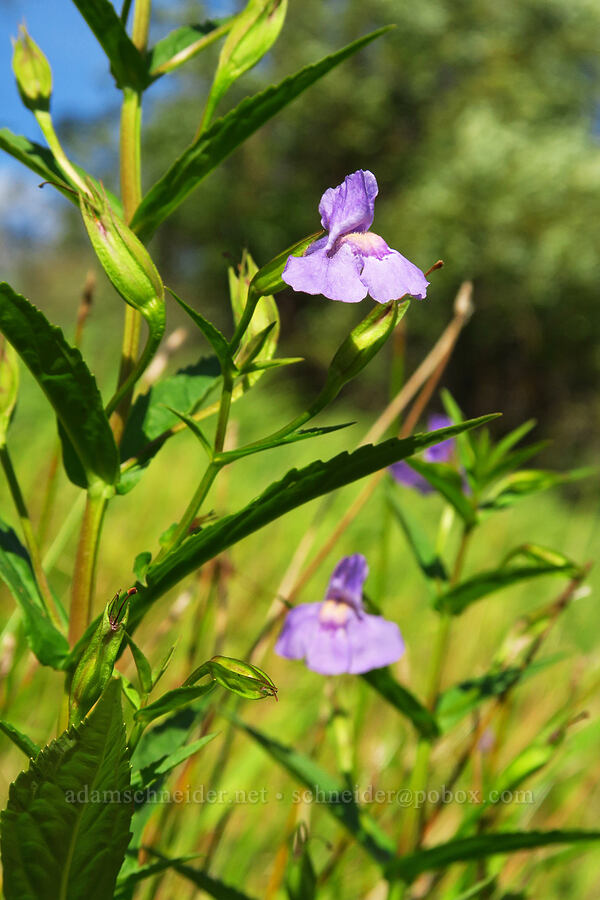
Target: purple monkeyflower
{"points": [[438, 453], [337, 635], [350, 261]]}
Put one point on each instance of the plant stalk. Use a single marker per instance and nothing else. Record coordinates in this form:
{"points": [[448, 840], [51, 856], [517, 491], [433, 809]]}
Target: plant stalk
{"points": [[84, 575]]}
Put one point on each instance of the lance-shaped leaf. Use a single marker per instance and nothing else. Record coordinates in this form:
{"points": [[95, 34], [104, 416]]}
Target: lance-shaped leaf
{"points": [[211, 333], [150, 774], [270, 443], [126, 62], [329, 792], [9, 385], [68, 384], [457, 599], [519, 485], [297, 487], [178, 698], [182, 44], [45, 640], [213, 887], [406, 703], [407, 868], [251, 35], [222, 138], [66, 826], [449, 484], [428, 560]]}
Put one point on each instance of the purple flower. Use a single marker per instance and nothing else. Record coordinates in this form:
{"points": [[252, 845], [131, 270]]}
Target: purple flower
{"points": [[438, 453], [350, 261], [337, 635]]}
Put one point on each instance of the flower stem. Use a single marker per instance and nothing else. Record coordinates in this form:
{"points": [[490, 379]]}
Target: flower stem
{"points": [[44, 120], [29, 536], [84, 575]]}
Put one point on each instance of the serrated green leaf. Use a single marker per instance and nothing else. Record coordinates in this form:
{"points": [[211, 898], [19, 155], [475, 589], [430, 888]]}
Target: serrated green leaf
{"points": [[457, 599], [404, 701], [126, 62], [271, 443], [68, 384], [336, 798], [20, 740], [428, 560], [60, 840], [48, 644], [183, 44], [297, 487], [226, 134]]}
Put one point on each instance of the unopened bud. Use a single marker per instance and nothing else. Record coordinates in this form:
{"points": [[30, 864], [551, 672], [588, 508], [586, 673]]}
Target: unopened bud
{"points": [[98, 659], [122, 255], [359, 348], [32, 71]]}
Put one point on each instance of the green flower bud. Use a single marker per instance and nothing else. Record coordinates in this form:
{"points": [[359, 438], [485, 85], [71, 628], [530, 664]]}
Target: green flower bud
{"points": [[9, 385], [359, 348], [32, 71], [239, 677], [98, 659], [123, 256]]}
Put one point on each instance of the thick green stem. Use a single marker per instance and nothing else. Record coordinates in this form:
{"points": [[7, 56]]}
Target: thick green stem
{"points": [[131, 194], [84, 575], [29, 536]]}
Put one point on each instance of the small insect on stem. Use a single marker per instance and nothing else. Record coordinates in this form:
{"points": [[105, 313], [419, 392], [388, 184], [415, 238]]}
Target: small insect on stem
{"points": [[115, 620]]}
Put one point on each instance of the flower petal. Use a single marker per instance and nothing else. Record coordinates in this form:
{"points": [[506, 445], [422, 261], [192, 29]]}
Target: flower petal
{"points": [[328, 651], [299, 628], [391, 276], [443, 451], [346, 582], [404, 474], [336, 276], [349, 206], [374, 642]]}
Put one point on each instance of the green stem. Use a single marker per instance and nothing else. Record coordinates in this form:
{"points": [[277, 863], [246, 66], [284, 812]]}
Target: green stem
{"points": [[84, 575], [131, 193], [126, 387], [44, 120], [224, 410], [183, 528], [29, 536]]}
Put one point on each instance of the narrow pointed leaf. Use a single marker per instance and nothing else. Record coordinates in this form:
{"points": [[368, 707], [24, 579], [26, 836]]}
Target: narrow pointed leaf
{"points": [[332, 794], [175, 699], [404, 701], [407, 868], [296, 488], [126, 62], [270, 443], [226, 134], [142, 665], [60, 839], [448, 483], [209, 885], [68, 384], [430, 563], [45, 640], [183, 44], [217, 340], [148, 775]]}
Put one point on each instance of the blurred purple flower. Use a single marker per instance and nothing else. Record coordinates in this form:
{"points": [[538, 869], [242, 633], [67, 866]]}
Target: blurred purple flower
{"points": [[350, 261], [438, 453], [337, 635]]}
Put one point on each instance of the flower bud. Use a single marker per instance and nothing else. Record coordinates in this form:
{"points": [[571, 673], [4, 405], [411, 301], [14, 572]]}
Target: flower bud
{"points": [[98, 659], [122, 255], [359, 348], [9, 385], [241, 678], [32, 71]]}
